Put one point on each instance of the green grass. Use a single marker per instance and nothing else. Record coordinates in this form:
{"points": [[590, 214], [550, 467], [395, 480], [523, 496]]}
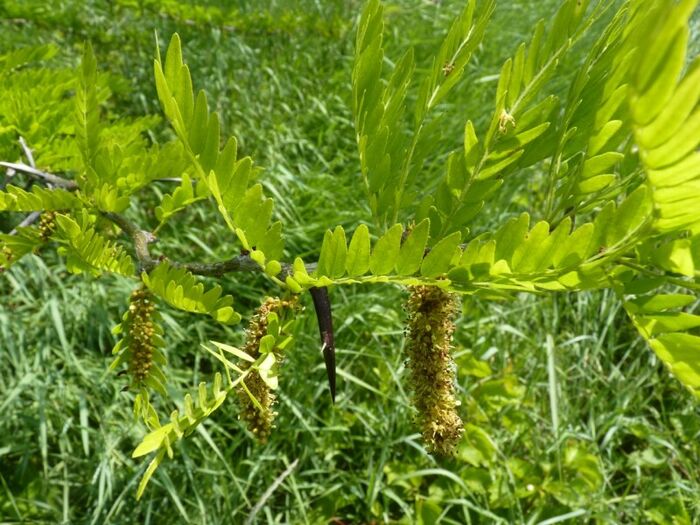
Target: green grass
{"points": [[625, 445]]}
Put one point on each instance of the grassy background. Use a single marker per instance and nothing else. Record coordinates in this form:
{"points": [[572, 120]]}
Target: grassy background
{"points": [[570, 418]]}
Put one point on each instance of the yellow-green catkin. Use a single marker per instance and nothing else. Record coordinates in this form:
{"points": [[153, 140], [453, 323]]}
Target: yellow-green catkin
{"points": [[259, 419], [47, 225], [6, 255], [432, 370], [140, 329]]}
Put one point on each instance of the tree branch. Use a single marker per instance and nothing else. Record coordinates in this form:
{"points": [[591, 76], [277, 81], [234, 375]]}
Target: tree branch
{"points": [[143, 238], [33, 216], [242, 263], [27, 152], [27, 221], [48, 178]]}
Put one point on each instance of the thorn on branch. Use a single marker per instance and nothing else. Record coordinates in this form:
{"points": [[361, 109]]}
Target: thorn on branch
{"points": [[27, 152], [322, 306]]}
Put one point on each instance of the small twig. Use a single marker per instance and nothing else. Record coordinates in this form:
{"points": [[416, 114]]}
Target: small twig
{"points": [[16, 21], [270, 490], [33, 216], [141, 238], [127, 226], [28, 221], [46, 177], [241, 263], [27, 152]]}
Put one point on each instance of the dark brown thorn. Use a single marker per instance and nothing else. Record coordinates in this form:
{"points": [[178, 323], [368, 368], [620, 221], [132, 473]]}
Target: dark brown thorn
{"points": [[322, 305]]}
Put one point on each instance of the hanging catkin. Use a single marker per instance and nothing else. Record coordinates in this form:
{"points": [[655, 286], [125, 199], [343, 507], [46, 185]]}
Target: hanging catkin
{"points": [[140, 329], [256, 403], [432, 370]]}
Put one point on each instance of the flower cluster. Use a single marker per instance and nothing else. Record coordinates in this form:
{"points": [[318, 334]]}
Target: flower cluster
{"points": [[257, 398], [141, 332], [6, 255], [47, 225], [432, 370]]}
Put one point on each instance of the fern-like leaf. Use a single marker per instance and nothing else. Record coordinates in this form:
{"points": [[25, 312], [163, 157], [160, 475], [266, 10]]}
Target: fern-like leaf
{"points": [[515, 257], [246, 211], [180, 289], [164, 437], [87, 114], [665, 111], [15, 198], [86, 250], [172, 203], [583, 170], [14, 247], [520, 130], [25, 55], [671, 332], [387, 157]]}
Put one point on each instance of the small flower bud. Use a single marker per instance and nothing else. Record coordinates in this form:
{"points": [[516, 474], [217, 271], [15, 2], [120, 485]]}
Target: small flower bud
{"points": [[6, 255], [47, 225]]}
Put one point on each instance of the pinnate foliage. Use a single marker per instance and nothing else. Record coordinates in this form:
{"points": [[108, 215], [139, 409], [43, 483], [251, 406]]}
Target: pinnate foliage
{"points": [[180, 289], [665, 114], [247, 212], [15, 198], [87, 250], [660, 319], [259, 362]]}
